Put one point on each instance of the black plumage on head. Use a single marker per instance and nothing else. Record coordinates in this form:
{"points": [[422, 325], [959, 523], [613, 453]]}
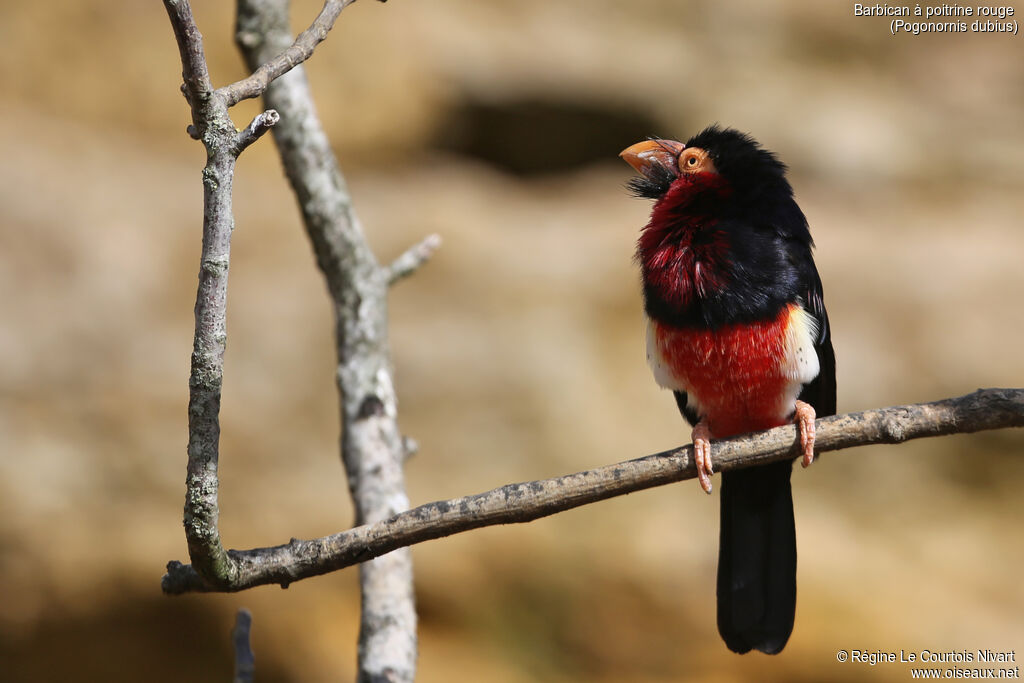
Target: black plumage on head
{"points": [[751, 170]]}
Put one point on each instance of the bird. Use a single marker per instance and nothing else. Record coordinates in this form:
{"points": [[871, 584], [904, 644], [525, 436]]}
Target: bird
{"points": [[737, 330]]}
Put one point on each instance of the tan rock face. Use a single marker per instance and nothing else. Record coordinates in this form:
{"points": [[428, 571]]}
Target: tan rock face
{"points": [[519, 350]]}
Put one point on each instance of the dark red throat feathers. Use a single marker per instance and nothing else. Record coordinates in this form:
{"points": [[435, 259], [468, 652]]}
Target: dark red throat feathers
{"points": [[680, 251]]}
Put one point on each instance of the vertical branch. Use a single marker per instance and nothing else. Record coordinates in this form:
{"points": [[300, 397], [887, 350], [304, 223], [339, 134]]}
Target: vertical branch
{"points": [[207, 371], [372, 447], [245, 661], [194, 73], [213, 125]]}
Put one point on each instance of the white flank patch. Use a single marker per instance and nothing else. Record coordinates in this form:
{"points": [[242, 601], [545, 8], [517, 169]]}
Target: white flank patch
{"points": [[663, 374], [801, 357], [802, 364]]}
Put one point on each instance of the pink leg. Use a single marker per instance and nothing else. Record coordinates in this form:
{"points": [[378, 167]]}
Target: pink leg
{"points": [[804, 418], [701, 437]]}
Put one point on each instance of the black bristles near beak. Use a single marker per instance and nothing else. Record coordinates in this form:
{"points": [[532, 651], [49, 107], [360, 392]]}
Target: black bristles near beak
{"points": [[653, 185]]}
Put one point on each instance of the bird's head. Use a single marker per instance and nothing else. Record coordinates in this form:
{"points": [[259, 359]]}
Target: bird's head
{"points": [[719, 162], [723, 230]]}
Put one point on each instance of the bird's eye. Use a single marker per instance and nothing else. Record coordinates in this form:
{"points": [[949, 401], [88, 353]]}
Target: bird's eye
{"points": [[695, 161]]}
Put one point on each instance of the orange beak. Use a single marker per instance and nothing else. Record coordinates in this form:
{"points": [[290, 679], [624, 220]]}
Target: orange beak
{"points": [[643, 156]]}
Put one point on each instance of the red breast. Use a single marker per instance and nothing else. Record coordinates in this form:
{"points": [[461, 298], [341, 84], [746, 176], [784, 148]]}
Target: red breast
{"points": [[741, 378]]}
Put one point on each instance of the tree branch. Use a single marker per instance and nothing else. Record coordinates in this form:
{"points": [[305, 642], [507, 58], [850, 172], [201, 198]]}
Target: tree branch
{"points": [[524, 502], [413, 257], [372, 447], [255, 130], [296, 53], [190, 47], [245, 662], [212, 124]]}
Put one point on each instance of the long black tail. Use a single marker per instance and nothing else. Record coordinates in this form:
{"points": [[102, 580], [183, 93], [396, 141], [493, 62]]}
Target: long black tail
{"points": [[757, 559]]}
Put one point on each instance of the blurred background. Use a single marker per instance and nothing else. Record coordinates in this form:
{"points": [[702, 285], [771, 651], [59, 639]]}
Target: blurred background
{"points": [[518, 350]]}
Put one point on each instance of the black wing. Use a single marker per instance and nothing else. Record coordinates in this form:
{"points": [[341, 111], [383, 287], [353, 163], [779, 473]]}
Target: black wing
{"points": [[689, 413], [821, 391]]}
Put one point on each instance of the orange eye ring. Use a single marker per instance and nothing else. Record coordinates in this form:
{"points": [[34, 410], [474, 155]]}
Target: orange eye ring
{"points": [[696, 160]]}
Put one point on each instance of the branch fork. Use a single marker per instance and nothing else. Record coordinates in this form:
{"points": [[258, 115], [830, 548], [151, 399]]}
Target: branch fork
{"points": [[373, 449]]}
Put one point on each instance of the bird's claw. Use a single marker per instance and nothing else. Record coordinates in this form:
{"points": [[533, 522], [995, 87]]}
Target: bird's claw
{"points": [[701, 437], [804, 418]]}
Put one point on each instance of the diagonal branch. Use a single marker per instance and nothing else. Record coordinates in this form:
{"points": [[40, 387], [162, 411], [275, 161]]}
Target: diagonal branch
{"points": [[524, 502], [260, 124], [299, 51], [413, 258]]}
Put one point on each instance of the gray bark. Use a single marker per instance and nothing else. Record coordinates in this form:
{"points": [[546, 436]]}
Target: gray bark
{"points": [[211, 124], [527, 501], [372, 447], [245, 661]]}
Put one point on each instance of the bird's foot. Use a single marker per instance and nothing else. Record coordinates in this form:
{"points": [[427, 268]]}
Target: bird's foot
{"points": [[804, 416], [701, 437]]}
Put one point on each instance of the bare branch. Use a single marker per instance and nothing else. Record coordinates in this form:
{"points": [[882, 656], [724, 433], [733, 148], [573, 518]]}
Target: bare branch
{"points": [[255, 130], [207, 369], [299, 51], [211, 124], [413, 257], [372, 447], [245, 662], [190, 47], [524, 502]]}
